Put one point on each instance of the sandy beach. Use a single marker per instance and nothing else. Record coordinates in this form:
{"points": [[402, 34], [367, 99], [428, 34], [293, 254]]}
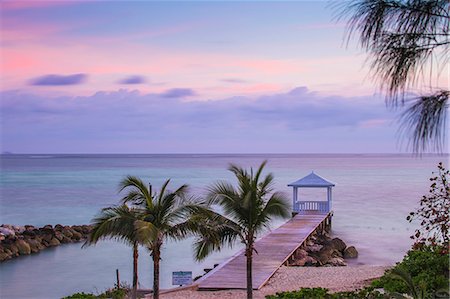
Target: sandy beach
{"points": [[293, 278]]}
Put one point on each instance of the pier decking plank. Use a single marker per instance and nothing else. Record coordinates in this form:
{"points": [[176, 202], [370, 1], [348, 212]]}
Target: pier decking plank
{"points": [[273, 250]]}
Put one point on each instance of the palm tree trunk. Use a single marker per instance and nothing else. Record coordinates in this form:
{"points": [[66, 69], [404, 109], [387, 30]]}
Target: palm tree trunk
{"points": [[248, 254], [135, 270], [156, 257]]}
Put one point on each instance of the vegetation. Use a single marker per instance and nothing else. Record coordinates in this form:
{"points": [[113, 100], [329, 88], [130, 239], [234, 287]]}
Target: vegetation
{"points": [[162, 216], [118, 223], [428, 269], [111, 294], [407, 41], [321, 293], [247, 210], [433, 213], [146, 219]]}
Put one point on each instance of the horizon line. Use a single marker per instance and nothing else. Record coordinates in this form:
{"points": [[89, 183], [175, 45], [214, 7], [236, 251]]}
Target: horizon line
{"points": [[6, 153]]}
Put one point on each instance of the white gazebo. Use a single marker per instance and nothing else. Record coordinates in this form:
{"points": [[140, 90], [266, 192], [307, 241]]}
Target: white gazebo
{"points": [[312, 180]]}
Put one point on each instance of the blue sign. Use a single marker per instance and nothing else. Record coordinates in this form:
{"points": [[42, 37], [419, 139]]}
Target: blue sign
{"points": [[182, 278]]}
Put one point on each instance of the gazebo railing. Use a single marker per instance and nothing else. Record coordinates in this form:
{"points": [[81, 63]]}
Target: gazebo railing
{"points": [[307, 206]]}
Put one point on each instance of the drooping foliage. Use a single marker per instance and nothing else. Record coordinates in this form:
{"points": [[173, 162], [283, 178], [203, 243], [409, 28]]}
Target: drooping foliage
{"points": [[408, 45]]}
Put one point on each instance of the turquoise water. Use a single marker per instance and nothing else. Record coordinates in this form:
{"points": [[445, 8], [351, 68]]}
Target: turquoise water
{"points": [[372, 197]]}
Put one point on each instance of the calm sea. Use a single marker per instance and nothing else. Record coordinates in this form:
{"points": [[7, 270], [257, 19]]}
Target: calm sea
{"points": [[372, 197]]}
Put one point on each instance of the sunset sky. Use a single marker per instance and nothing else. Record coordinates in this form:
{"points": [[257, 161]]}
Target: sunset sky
{"points": [[185, 77]]}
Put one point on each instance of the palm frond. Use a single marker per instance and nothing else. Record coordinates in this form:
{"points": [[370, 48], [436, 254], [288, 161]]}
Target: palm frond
{"points": [[146, 231], [114, 223], [245, 210], [258, 173], [213, 232], [276, 207], [425, 121], [407, 279], [138, 191]]}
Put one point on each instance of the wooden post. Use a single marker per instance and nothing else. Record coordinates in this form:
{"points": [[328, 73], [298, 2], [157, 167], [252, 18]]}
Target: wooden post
{"points": [[118, 279]]}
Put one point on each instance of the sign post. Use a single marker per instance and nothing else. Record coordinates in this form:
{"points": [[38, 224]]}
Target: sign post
{"points": [[182, 278]]}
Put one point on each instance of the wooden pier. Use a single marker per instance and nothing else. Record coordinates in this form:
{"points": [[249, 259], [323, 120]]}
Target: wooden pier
{"points": [[274, 250]]}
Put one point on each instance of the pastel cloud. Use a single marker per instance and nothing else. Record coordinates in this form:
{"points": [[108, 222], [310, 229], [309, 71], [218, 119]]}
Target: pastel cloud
{"points": [[178, 93], [32, 4], [133, 80], [295, 121], [234, 80], [57, 80]]}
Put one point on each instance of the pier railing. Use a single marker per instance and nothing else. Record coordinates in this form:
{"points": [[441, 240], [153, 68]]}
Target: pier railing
{"points": [[309, 206]]}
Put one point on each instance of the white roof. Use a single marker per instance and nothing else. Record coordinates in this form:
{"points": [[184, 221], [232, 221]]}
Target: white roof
{"points": [[312, 180]]}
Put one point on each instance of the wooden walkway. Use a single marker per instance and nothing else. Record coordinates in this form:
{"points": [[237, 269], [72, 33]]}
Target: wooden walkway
{"points": [[274, 250]]}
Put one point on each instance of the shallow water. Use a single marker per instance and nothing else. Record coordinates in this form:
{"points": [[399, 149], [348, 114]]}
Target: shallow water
{"points": [[372, 197]]}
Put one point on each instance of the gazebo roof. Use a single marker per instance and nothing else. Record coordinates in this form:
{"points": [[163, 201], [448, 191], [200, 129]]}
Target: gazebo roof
{"points": [[312, 180]]}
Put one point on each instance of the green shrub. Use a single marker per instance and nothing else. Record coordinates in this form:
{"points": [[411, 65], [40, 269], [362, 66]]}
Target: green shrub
{"points": [[81, 295], [428, 267], [111, 293], [114, 294], [321, 293]]}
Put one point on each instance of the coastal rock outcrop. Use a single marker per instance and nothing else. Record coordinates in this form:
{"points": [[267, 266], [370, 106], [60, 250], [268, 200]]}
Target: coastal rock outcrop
{"points": [[322, 250], [350, 252], [24, 240]]}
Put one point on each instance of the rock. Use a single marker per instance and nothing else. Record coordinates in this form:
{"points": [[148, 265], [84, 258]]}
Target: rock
{"points": [[337, 254], [337, 261], [66, 240], [310, 261], [67, 231], [23, 247], [337, 244], [305, 261], [59, 227], [350, 252], [59, 235], [77, 228], [325, 254], [30, 233], [35, 245], [86, 229], [4, 256], [298, 262], [47, 237], [323, 239], [19, 229], [314, 248], [76, 236], [54, 242], [48, 226], [300, 253], [29, 227], [309, 243], [7, 231], [13, 249]]}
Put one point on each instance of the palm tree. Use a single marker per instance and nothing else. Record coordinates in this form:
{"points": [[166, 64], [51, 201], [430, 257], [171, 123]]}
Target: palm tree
{"points": [[118, 223], [407, 41], [162, 216], [247, 210], [416, 292]]}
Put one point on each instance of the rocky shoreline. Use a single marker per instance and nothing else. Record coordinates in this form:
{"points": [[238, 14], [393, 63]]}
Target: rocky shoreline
{"points": [[322, 250], [319, 250], [24, 240]]}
